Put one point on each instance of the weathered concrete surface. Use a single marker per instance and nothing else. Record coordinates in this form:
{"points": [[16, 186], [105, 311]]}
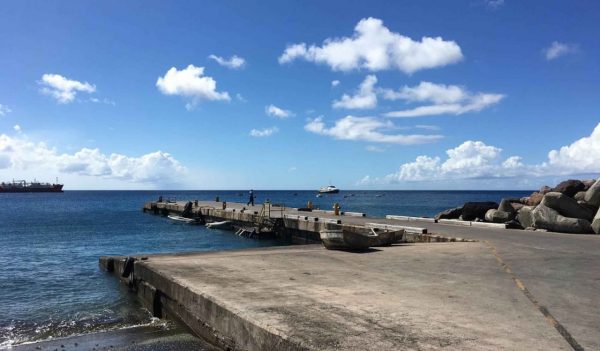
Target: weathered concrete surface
{"points": [[405, 297], [560, 270]]}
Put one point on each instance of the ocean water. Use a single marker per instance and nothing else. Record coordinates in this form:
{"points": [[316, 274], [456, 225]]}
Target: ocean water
{"points": [[50, 243]]}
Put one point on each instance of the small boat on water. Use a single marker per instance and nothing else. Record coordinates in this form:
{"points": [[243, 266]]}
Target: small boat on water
{"points": [[339, 239], [180, 219], [330, 189], [219, 225]]}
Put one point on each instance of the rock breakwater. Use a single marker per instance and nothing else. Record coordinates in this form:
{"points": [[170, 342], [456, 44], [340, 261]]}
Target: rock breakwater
{"points": [[572, 206]]}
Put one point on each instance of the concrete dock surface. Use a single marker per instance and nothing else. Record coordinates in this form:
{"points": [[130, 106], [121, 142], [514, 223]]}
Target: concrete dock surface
{"points": [[456, 296], [512, 289]]}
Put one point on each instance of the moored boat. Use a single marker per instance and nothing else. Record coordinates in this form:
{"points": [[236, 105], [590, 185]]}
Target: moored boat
{"points": [[340, 239], [385, 237], [180, 219], [219, 225]]}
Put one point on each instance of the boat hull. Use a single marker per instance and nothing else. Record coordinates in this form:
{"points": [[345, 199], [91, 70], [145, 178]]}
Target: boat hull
{"points": [[386, 238], [337, 239], [180, 219], [345, 240], [227, 225]]}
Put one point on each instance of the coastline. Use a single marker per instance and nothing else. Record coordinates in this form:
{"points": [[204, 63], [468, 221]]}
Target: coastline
{"points": [[139, 338]]}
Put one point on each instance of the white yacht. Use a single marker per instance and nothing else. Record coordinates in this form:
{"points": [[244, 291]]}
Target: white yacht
{"points": [[330, 189]]}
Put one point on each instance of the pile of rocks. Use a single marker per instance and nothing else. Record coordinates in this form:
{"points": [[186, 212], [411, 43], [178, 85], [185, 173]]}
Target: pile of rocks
{"points": [[570, 207]]}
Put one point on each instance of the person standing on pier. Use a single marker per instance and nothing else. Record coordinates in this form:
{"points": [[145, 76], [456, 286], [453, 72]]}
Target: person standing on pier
{"points": [[251, 199]]}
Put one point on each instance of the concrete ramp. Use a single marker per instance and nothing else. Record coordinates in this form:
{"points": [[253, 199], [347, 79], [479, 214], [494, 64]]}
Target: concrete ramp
{"points": [[453, 296]]}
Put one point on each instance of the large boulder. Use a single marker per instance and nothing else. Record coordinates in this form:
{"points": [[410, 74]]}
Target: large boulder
{"points": [[506, 205], [580, 196], [516, 206], [497, 216], [451, 213], [534, 199], [596, 223], [525, 216], [592, 208], [592, 195], [588, 183], [569, 187], [566, 206], [545, 189], [473, 210], [513, 224], [546, 218]]}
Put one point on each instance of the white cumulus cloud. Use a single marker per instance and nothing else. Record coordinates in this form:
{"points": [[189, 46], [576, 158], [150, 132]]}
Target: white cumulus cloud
{"points": [[335, 83], [470, 160], [365, 97], [442, 99], [20, 153], [17, 128], [368, 129], [476, 160], [277, 112], [260, 133], [234, 62], [581, 156], [191, 83], [62, 88], [558, 49], [374, 47]]}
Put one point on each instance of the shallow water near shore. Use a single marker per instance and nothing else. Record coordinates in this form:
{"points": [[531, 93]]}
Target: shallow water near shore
{"points": [[50, 244]]}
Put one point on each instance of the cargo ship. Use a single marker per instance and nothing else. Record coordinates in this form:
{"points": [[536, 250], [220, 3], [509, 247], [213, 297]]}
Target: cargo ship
{"points": [[21, 186]]}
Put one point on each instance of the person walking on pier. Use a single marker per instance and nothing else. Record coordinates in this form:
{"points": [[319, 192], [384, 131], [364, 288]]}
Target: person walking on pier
{"points": [[251, 199]]}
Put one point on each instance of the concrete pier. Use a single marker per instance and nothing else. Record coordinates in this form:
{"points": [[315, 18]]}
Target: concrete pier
{"points": [[420, 296], [301, 227], [508, 289]]}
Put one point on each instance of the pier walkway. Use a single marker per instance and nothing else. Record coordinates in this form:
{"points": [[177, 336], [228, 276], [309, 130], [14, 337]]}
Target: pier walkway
{"points": [[511, 289]]}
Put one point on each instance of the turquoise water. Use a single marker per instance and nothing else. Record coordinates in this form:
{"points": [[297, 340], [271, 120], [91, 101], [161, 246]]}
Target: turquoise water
{"points": [[50, 244]]}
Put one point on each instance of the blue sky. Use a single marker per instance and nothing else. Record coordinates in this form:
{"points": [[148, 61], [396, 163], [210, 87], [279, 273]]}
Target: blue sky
{"points": [[456, 95]]}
